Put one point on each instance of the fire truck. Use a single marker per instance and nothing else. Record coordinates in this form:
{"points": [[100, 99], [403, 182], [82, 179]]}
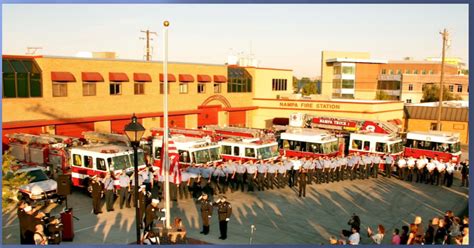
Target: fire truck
{"points": [[444, 145], [378, 143], [306, 142], [190, 149], [235, 132], [249, 149]]}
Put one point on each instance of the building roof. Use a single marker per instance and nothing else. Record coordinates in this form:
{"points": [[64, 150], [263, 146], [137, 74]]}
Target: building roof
{"points": [[351, 60], [460, 114]]}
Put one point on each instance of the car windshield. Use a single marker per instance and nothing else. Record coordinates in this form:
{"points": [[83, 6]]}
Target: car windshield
{"points": [[267, 152], [37, 176], [121, 162], [396, 147]]}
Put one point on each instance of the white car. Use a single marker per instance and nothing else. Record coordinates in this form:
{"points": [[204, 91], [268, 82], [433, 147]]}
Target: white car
{"points": [[40, 186]]}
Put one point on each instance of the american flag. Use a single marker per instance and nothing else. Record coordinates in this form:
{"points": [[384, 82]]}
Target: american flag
{"points": [[174, 172]]}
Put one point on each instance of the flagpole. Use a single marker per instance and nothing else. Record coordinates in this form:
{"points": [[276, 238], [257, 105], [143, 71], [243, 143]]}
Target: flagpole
{"points": [[165, 122]]}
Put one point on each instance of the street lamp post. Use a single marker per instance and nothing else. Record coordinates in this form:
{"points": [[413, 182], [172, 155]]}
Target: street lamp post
{"points": [[134, 132]]}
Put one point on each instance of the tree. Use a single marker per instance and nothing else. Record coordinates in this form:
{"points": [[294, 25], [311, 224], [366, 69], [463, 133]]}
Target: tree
{"points": [[295, 84], [10, 182], [431, 94], [309, 88], [381, 95]]}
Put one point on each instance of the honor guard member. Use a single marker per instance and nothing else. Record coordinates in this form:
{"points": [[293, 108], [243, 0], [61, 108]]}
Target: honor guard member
{"points": [[151, 214], [450, 167], [307, 165], [193, 172], [420, 168], [224, 211], [96, 191], [465, 173], [251, 175], [272, 169], [376, 160], [326, 169], [262, 174], [221, 177], [411, 168], [289, 169], [302, 181], [23, 219], [441, 168], [281, 182], [142, 203], [124, 182], [184, 185], [205, 177], [109, 191], [402, 164], [229, 170], [55, 227], [389, 162], [430, 166], [206, 213], [319, 170], [240, 170]]}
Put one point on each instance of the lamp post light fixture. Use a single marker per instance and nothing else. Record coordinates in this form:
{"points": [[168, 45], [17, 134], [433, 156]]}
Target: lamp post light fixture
{"points": [[134, 132]]}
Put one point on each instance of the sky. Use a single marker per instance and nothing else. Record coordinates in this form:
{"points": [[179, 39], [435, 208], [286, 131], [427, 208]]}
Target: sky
{"points": [[280, 36]]}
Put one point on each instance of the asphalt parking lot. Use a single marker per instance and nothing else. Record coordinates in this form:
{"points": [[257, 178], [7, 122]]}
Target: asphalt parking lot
{"points": [[280, 217]]}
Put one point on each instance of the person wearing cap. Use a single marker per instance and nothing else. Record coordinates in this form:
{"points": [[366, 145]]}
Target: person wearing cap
{"points": [[142, 203], [55, 227], [124, 182], [205, 177], [131, 197], [281, 182], [206, 213], [450, 167], [388, 165], [441, 169], [193, 172], [289, 169], [411, 167], [229, 171], [261, 175], [109, 191], [318, 164], [302, 177], [251, 175], [402, 164], [224, 211], [240, 170], [151, 213], [309, 166], [430, 166], [97, 189], [184, 185], [272, 168], [420, 167]]}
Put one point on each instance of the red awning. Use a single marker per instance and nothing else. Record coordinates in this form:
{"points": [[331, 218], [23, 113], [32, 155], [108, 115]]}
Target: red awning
{"points": [[204, 78], [92, 77], [118, 77], [220, 79], [141, 77], [171, 78], [62, 76], [186, 78]]}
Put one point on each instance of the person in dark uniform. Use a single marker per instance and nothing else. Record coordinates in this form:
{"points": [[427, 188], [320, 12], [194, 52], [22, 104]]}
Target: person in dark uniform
{"points": [[151, 213], [22, 218], [206, 213], [55, 227], [109, 191], [224, 211], [465, 173], [96, 194], [142, 203], [131, 200], [302, 181]]}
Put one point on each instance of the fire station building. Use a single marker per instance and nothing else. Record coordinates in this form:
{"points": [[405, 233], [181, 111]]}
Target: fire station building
{"points": [[70, 95]]}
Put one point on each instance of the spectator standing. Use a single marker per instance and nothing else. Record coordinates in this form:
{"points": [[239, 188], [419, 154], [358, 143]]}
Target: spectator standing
{"points": [[377, 237], [396, 237], [404, 235], [441, 235], [354, 239]]}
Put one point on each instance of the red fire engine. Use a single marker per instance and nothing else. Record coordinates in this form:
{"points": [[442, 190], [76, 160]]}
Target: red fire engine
{"points": [[249, 149], [307, 142], [444, 145]]}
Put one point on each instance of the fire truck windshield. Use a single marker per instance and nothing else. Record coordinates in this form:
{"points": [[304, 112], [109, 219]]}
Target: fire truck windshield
{"points": [[330, 147], [141, 158], [396, 147], [120, 162], [267, 152], [206, 155], [456, 147]]}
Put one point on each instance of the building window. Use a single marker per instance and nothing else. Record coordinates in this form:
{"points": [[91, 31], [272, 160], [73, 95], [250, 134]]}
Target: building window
{"points": [[415, 71], [347, 96], [451, 88], [239, 80], [459, 87], [410, 87], [434, 126], [217, 88], [407, 71], [408, 100], [88, 89], [162, 88], [348, 70], [183, 88], [390, 71], [431, 72], [384, 71], [279, 84], [59, 89], [347, 84], [201, 88], [115, 89], [21, 79], [139, 88], [399, 72], [337, 70]]}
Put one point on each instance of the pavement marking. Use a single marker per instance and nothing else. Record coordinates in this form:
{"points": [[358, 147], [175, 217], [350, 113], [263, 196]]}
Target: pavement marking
{"points": [[86, 228]]}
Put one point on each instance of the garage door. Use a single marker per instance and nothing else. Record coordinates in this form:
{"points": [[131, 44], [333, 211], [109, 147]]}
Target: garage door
{"points": [[175, 121], [237, 118], [117, 126], [208, 115], [74, 130]]}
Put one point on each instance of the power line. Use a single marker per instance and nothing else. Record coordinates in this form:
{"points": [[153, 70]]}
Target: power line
{"points": [[148, 39], [445, 36]]}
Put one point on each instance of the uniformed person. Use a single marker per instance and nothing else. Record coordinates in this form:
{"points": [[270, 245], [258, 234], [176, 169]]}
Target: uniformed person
{"points": [[309, 166], [441, 168], [430, 166], [357, 164], [109, 189], [251, 175], [148, 179], [229, 182], [302, 177], [402, 163], [205, 178], [288, 164], [376, 160], [224, 211], [216, 173], [451, 166], [368, 165], [281, 182], [221, 178], [184, 185], [297, 164], [55, 227], [39, 237], [193, 172], [143, 196], [239, 176], [206, 213], [420, 167], [131, 200], [327, 168], [261, 175], [97, 191], [350, 167], [388, 165], [318, 170], [151, 213], [23, 219], [342, 168], [336, 168], [410, 168], [124, 182]]}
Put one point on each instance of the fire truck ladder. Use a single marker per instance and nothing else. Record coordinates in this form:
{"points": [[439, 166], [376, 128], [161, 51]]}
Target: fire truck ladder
{"points": [[107, 138], [234, 131], [31, 138]]}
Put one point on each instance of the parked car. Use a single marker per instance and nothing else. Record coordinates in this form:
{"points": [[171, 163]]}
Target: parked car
{"points": [[40, 187]]}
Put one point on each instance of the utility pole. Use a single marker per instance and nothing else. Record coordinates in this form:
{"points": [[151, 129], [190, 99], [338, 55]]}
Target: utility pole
{"points": [[445, 36], [148, 32]]}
